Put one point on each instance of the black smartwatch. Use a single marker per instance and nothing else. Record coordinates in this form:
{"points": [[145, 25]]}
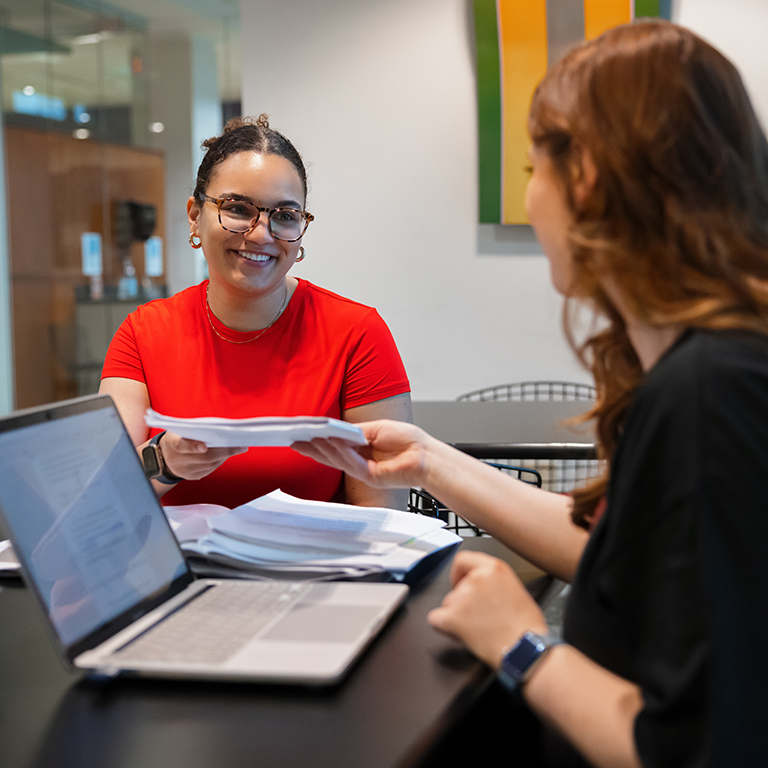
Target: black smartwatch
{"points": [[154, 466], [523, 657]]}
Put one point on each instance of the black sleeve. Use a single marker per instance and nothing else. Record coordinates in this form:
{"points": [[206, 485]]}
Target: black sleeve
{"points": [[667, 589]]}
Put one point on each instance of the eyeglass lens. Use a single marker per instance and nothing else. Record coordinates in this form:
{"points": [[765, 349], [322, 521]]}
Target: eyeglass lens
{"points": [[284, 223]]}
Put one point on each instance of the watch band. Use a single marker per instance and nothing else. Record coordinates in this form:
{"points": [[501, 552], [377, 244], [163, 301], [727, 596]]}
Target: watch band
{"points": [[523, 657], [154, 464]]}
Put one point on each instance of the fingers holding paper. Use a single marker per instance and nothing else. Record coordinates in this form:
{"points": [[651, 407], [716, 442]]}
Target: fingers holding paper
{"points": [[193, 459], [395, 457]]}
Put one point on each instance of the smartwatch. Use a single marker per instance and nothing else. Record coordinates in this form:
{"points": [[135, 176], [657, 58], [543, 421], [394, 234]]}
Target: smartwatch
{"points": [[154, 466], [523, 657]]}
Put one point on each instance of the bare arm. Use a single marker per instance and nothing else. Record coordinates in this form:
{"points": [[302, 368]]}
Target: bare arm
{"points": [[358, 492], [534, 523], [189, 459], [132, 400], [592, 707], [489, 609]]}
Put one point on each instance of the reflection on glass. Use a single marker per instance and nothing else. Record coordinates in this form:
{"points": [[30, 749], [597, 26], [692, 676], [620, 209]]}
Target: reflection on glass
{"points": [[84, 519], [65, 64], [79, 131]]}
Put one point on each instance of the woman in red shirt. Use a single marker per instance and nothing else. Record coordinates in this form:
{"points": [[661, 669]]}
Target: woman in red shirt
{"points": [[253, 340]]}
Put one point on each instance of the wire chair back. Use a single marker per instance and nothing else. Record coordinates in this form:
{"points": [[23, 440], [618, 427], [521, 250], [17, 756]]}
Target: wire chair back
{"points": [[532, 391], [559, 475]]}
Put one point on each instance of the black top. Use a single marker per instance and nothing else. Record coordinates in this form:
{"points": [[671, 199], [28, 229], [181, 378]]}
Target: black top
{"points": [[672, 590]]}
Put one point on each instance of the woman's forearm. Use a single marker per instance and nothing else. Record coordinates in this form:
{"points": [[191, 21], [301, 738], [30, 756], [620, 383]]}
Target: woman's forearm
{"points": [[593, 708], [489, 610], [358, 493], [534, 523]]}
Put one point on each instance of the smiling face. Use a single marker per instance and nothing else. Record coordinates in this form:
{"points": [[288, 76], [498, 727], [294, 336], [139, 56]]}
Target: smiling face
{"points": [[547, 208], [253, 263]]}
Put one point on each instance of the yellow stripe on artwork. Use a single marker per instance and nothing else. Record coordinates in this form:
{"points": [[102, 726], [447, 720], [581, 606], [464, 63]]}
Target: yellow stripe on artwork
{"points": [[600, 15], [523, 46]]}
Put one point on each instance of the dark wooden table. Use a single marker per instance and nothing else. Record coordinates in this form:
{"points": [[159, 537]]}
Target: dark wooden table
{"points": [[509, 430], [412, 686]]}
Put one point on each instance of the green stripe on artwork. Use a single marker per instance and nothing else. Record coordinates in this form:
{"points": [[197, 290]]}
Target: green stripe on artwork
{"points": [[488, 111], [646, 8], [653, 8]]}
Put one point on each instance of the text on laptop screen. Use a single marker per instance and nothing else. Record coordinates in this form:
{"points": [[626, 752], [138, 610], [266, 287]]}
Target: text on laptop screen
{"points": [[85, 520]]}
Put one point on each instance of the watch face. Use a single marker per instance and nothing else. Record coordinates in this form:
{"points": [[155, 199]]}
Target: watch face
{"points": [[151, 463], [520, 662], [521, 657]]}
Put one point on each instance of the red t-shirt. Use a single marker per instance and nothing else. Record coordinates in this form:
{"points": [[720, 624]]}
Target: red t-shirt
{"points": [[324, 354]]}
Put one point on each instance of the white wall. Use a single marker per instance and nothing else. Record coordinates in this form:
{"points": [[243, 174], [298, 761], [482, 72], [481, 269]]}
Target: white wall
{"points": [[380, 99], [738, 28]]}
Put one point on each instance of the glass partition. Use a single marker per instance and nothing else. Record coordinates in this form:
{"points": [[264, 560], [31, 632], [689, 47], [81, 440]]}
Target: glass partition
{"points": [[71, 68], [85, 187], [74, 127]]}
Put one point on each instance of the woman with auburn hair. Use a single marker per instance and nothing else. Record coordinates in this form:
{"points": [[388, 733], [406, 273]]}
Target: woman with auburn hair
{"points": [[649, 195]]}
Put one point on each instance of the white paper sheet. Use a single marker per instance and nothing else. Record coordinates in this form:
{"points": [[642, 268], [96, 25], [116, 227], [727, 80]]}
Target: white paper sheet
{"points": [[260, 432]]}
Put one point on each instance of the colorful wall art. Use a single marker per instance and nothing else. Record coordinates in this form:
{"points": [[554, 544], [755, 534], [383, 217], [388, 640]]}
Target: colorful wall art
{"points": [[516, 41]]}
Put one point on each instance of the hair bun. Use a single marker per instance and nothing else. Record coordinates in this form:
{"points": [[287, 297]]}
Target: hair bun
{"points": [[246, 134], [262, 121]]}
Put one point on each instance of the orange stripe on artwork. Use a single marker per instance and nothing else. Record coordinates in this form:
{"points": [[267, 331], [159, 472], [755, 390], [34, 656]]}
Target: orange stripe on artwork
{"points": [[600, 15], [523, 47]]}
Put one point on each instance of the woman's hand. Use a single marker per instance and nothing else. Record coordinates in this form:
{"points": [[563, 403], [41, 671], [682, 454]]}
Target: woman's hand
{"points": [[488, 608], [396, 455], [192, 459]]}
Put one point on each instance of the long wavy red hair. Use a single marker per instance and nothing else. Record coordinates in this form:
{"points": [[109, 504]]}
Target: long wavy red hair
{"points": [[678, 217]]}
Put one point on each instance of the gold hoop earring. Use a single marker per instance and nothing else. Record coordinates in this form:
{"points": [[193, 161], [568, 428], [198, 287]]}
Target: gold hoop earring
{"points": [[302, 254], [195, 245]]}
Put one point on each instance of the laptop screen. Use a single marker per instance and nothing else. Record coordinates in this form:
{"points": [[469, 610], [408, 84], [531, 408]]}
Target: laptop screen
{"points": [[85, 521]]}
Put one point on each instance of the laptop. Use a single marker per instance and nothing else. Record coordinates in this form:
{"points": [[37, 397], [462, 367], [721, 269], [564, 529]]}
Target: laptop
{"points": [[101, 559]]}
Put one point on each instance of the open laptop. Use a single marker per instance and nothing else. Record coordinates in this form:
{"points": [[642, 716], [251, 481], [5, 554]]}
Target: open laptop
{"points": [[98, 553]]}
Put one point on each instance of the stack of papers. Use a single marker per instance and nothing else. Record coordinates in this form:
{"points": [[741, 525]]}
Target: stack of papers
{"points": [[267, 431], [280, 536]]}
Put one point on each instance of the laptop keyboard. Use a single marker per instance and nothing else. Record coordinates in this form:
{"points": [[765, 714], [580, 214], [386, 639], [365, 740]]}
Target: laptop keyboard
{"points": [[214, 625]]}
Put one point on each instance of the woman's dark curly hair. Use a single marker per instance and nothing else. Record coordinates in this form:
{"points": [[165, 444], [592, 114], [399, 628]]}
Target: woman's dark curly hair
{"points": [[246, 134]]}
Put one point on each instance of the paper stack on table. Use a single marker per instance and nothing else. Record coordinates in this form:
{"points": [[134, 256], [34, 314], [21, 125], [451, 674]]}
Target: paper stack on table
{"points": [[265, 431], [280, 536]]}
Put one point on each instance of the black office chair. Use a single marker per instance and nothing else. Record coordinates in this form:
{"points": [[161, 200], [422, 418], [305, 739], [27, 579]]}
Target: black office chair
{"points": [[559, 475], [423, 503]]}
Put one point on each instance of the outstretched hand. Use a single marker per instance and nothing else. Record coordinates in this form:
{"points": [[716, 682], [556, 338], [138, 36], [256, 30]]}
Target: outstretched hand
{"points": [[488, 608], [395, 457], [193, 459]]}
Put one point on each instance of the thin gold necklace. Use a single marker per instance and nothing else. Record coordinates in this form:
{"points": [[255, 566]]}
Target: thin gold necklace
{"points": [[246, 341]]}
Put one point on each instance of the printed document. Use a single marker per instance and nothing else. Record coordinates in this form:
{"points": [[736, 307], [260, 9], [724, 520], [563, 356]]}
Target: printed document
{"points": [[274, 431]]}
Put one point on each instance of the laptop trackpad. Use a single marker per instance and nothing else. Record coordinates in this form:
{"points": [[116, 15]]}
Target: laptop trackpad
{"points": [[323, 623]]}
